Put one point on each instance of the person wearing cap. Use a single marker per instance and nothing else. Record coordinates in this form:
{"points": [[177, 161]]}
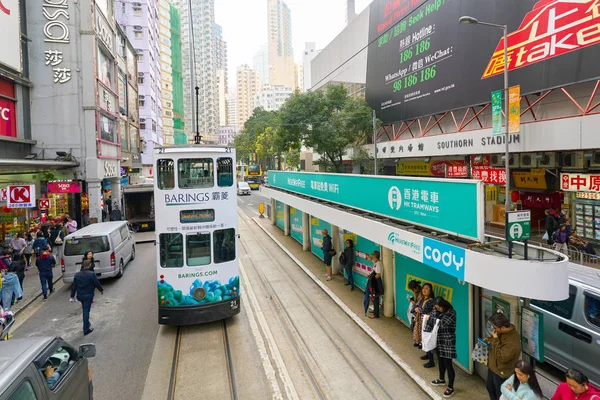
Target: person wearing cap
{"points": [[45, 262], [84, 284]]}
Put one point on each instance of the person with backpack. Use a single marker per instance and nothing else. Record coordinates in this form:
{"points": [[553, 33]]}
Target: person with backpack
{"points": [[40, 244], [45, 262], [560, 239], [28, 249]]}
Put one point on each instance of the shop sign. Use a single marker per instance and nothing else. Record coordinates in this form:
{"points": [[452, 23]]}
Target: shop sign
{"points": [[3, 193], [458, 171], [431, 203], [56, 31], [8, 121], [64, 187], [530, 180], [106, 99], [575, 182], [514, 109], [588, 195], [103, 31], [489, 175], [11, 34], [111, 169], [21, 196], [44, 204], [435, 168]]}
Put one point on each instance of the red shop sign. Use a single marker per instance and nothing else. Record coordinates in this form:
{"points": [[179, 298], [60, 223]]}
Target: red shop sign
{"points": [[489, 175], [64, 187], [8, 120]]}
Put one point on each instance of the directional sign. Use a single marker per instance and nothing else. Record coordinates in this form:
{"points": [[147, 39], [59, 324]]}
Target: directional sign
{"points": [[44, 204], [21, 196], [518, 225]]}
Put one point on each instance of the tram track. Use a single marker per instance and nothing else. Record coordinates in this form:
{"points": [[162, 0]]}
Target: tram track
{"points": [[185, 334], [292, 330]]}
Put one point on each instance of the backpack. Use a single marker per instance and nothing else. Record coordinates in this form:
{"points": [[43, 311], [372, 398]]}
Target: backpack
{"points": [[38, 248]]}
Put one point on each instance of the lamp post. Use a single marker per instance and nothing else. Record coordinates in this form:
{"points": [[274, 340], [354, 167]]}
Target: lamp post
{"points": [[197, 137], [474, 21]]}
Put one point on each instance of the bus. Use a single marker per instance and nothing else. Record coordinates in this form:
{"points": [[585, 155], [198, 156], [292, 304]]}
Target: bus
{"points": [[196, 234], [253, 174]]}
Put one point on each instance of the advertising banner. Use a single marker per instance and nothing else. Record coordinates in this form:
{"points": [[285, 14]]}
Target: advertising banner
{"points": [[514, 109], [280, 215], [497, 112], [453, 290], [422, 61], [363, 264], [11, 34], [8, 117], [316, 239], [576, 182], [64, 187], [453, 206], [489, 175], [296, 225], [453, 168]]}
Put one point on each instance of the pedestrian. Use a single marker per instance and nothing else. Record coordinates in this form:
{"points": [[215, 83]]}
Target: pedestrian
{"points": [[28, 249], [375, 283], [581, 244], [115, 215], [45, 262], [17, 243], [551, 225], [10, 287], [44, 230], [446, 342], [56, 240], [17, 266], [560, 239], [415, 301], [523, 384], [577, 387], [327, 248], [426, 308], [40, 244], [88, 255], [84, 284], [71, 225], [347, 261], [504, 353]]}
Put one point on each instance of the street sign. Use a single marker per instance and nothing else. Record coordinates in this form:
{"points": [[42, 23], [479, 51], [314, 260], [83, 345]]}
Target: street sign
{"points": [[44, 204], [518, 225], [21, 196]]}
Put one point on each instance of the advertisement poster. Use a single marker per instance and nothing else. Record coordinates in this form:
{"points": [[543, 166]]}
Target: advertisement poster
{"points": [[502, 306], [497, 112], [296, 224], [532, 333], [280, 215], [316, 239], [514, 109], [363, 264], [422, 61]]}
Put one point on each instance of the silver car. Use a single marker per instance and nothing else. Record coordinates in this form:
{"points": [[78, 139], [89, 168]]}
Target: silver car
{"points": [[45, 368], [243, 188]]}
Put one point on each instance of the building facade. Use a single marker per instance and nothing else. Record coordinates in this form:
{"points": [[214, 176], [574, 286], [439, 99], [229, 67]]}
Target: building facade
{"points": [[139, 19], [222, 96], [232, 117], [281, 54], [177, 77], [260, 63], [271, 98], [308, 55], [247, 87], [166, 70], [227, 135]]}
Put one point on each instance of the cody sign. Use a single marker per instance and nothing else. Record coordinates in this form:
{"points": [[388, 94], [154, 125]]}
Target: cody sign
{"points": [[445, 205]]}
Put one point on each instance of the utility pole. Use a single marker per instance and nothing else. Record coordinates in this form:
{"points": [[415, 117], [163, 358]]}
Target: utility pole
{"points": [[198, 137], [375, 142]]}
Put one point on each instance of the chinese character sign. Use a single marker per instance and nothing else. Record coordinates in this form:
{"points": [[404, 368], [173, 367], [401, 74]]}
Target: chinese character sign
{"points": [[489, 175], [497, 112], [57, 16], [514, 109], [574, 182]]}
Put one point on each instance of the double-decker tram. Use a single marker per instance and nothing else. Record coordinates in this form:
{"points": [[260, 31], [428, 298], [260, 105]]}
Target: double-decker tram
{"points": [[196, 234]]}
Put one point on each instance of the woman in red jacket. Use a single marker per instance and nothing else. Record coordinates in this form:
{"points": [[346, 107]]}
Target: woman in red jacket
{"points": [[576, 387]]}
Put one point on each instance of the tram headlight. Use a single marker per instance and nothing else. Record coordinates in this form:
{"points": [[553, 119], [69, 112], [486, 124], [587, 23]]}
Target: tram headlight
{"points": [[199, 293]]}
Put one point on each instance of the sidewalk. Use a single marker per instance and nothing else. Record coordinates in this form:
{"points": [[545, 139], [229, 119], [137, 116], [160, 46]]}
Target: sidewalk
{"points": [[394, 335], [32, 288]]}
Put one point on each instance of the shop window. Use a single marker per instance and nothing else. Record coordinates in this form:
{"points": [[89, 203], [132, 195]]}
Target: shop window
{"points": [[106, 69], [561, 308], [171, 250], [166, 174], [107, 129], [197, 249], [592, 307], [225, 172], [24, 392], [224, 245], [196, 173]]}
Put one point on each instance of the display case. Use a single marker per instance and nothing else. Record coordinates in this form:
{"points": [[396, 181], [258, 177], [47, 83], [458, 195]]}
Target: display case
{"points": [[587, 219]]}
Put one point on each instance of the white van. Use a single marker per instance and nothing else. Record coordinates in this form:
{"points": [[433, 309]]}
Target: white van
{"points": [[112, 243]]}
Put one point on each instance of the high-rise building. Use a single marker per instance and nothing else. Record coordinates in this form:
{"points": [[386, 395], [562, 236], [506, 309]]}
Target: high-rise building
{"points": [[166, 70], [220, 51], [222, 96], [260, 63], [271, 98], [300, 85], [179, 135], [248, 85], [198, 42], [221, 75], [307, 57], [139, 20], [350, 11], [281, 54], [232, 109]]}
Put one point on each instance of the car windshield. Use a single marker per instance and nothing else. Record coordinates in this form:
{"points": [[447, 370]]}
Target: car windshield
{"points": [[96, 244], [244, 185]]}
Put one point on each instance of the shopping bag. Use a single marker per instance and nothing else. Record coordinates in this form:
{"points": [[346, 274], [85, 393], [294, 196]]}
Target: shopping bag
{"points": [[429, 338], [545, 237], [409, 314], [481, 352]]}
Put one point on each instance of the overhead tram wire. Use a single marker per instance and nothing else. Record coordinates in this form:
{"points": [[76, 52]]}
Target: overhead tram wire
{"points": [[367, 46]]}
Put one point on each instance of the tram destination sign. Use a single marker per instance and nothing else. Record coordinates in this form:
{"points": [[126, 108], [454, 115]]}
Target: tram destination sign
{"points": [[422, 61], [446, 205]]}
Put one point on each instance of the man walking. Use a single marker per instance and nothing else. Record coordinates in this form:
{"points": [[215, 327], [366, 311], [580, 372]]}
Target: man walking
{"points": [[327, 252], [45, 262], [84, 284]]}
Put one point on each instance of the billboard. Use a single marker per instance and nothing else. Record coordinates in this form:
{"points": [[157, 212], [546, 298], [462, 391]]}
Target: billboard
{"points": [[11, 34], [422, 61]]}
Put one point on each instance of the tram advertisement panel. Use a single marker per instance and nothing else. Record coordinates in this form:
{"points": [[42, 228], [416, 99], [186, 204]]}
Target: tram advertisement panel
{"points": [[422, 61]]}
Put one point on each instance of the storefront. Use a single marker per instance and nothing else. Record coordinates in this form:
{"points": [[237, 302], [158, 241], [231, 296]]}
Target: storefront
{"points": [[582, 196], [455, 168], [66, 197]]}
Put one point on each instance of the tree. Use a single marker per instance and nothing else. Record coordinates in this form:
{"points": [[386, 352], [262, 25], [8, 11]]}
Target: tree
{"points": [[362, 159], [328, 121], [259, 121]]}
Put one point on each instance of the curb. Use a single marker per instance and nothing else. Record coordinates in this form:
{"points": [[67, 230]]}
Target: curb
{"points": [[366, 328], [28, 302]]}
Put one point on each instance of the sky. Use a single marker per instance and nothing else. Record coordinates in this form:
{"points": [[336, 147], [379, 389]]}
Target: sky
{"points": [[245, 26]]}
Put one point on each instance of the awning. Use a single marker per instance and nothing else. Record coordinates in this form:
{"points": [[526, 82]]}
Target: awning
{"points": [[13, 166]]}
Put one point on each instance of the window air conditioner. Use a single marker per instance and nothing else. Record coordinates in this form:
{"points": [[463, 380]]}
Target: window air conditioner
{"points": [[528, 160], [497, 160], [546, 160], [595, 160], [572, 160]]}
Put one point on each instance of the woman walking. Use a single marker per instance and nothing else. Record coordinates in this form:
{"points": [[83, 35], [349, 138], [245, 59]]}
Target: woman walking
{"points": [[28, 249], [523, 384], [347, 261], [446, 342], [426, 308]]}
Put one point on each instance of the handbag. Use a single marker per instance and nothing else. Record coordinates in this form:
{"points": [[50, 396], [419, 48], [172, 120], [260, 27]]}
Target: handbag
{"points": [[58, 240], [343, 259], [410, 315], [332, 252], [429, 338], [545, 237], [481, 352]]}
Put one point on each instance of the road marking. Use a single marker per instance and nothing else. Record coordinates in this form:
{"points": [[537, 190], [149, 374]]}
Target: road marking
{"points": [[290, 390]]}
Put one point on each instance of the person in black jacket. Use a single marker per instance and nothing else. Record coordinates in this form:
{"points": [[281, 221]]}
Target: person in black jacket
{"points": [[18, 267], [88, 255], [45, 262], [446, 342], [375, 283], [84, 284], [327, 253], [347, 261]]}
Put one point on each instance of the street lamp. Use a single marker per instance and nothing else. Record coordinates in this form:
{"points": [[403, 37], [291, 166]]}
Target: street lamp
{"points": [[474, 21]]}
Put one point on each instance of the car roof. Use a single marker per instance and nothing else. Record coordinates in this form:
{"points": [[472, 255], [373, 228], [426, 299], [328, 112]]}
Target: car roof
{"points": [[243, 183], [100, 228], [586, 275], [17, 354]]}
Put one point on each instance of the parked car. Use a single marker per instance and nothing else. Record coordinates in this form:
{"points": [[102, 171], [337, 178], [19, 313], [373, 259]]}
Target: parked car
{"points": [[113, 245], [243, 188], [572, 326], [27, 363]]}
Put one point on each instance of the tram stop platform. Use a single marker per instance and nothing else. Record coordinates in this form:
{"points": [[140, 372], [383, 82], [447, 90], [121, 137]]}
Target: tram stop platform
{"points": [[391, 334]]}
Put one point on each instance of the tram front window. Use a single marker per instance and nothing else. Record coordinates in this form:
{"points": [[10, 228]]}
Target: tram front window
{"points": [[225, 172], [224, 245], [166, 174], [195, 173], [198, 249], [171, 250]]}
